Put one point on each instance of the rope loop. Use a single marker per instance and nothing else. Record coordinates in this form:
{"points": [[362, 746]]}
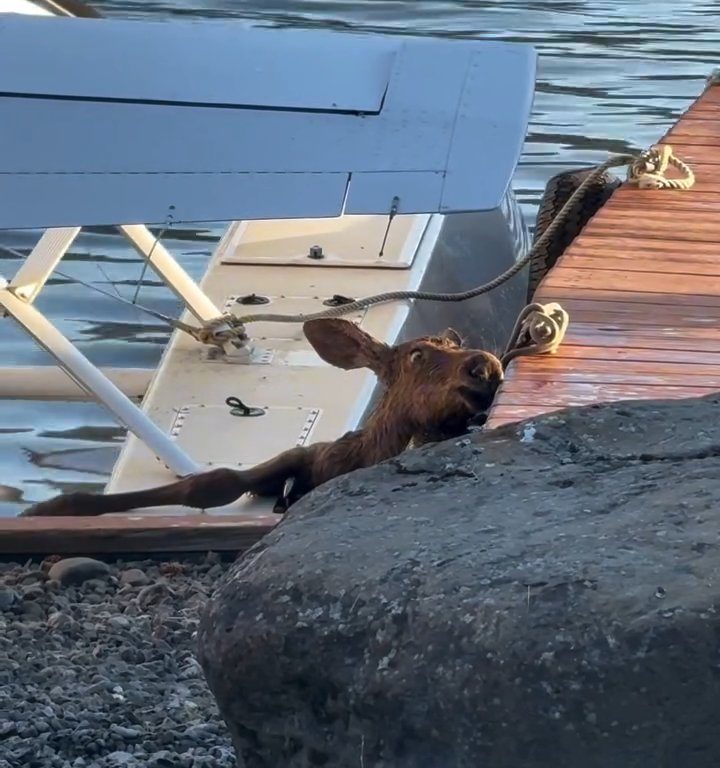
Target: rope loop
{"points": [[539, 330], [649, 170], [541, 326]]}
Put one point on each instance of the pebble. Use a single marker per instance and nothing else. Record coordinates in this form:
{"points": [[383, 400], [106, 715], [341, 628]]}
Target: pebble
{"points": [[8, 598], [33, 610], [125, 733], [59, 620], [33, 593], [121, 758], [98, 678], [119, 622], [33, 577], [162, 759], [75, 570], [134, 577], [152, 594]]}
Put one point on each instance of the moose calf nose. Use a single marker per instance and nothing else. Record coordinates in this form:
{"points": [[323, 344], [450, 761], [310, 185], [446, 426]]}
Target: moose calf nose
{"points": [[484, 367]]}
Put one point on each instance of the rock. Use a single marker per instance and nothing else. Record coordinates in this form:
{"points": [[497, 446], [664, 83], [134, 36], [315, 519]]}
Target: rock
{"points": [[118, 622], [97, 585], [125, 733], [199, 731], [60, 621], [548, 595], [33, 593], [8, 598], [161, 759], [153, 593], [33, 577], [119, 759], [33, 611], [75, 570], [134, 577]]}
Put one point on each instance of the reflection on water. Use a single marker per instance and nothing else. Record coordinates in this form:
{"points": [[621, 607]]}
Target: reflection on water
{"points": [[612, 77], [48, 448]]}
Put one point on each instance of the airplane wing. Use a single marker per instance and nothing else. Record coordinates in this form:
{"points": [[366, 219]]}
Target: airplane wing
{"points": [[106, 121]]}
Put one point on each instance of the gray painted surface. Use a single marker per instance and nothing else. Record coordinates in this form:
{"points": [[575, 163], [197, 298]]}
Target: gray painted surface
{"points": [[448, 136], [202, 63]]}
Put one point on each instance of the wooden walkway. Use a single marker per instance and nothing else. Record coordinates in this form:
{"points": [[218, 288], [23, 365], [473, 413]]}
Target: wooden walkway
{"points": [[132, 534], [642, 287]]}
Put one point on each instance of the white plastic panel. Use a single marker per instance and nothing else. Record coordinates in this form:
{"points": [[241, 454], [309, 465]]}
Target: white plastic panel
{"points": [[246, 441], [191, 62]]}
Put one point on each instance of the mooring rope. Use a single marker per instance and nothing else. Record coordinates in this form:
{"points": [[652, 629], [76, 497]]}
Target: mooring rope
{"points": [[539, 328], [647, 170]]}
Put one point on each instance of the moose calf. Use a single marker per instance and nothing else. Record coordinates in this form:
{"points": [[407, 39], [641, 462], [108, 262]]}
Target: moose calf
{"points": [[433, 387]]}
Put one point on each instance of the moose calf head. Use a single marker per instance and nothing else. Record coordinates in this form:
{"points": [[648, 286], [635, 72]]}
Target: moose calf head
{"points": [[433, 385]]}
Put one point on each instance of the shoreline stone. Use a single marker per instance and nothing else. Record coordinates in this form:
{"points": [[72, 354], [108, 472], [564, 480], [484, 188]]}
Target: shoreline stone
{"points": [[543, 595], [76, 570], [89, 679]]}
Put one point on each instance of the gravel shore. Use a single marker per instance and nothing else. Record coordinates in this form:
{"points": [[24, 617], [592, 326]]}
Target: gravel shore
{"points": [[98, 669]]}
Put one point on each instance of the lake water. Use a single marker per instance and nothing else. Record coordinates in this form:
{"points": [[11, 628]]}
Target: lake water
{"points": [[613, 76]]}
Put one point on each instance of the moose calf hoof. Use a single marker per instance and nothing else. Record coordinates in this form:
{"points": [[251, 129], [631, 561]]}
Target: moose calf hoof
{"points": [[71, 505]]}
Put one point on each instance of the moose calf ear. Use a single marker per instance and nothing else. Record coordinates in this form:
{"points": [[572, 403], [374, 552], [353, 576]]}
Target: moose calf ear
{"points": [[451, 335], [342, 344]]}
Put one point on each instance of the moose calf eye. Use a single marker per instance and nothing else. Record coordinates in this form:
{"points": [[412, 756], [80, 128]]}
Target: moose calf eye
{"points": [[415, 355]]}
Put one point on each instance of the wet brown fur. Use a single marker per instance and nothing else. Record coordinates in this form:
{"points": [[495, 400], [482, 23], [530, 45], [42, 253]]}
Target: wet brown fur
{"points": [[433, 387]]}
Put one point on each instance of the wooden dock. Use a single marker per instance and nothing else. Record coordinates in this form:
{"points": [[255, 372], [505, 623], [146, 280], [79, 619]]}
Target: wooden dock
{"points": [[642, 286], [132, 534]]}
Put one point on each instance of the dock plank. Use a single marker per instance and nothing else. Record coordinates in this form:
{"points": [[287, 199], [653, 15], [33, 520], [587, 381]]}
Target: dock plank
{"points": [[629, 280], [630, 247], [642, 286], [133, 533], [643, 263], [574, 394], [612, 361]]}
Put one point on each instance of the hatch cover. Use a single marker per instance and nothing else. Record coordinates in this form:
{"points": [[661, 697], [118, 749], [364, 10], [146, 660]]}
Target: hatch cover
{"points": [[215, 437]]}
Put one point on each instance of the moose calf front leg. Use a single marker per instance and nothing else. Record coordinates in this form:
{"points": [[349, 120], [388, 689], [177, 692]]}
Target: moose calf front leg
{"points": [[213, 489], [204, 491]]}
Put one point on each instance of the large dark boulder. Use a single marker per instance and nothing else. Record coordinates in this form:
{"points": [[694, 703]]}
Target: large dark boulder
{"points": [[545, 595]]}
